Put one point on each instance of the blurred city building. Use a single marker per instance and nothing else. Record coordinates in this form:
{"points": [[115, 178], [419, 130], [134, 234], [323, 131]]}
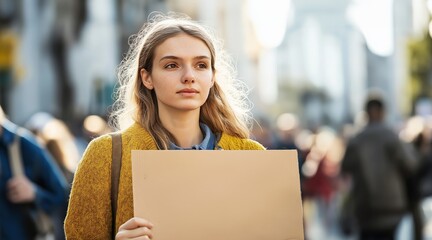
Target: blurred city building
{"points": [[316, 59]]}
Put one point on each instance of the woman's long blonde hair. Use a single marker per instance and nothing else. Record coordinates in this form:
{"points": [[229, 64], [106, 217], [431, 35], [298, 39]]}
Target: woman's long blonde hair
{"points": [[227, 109]]}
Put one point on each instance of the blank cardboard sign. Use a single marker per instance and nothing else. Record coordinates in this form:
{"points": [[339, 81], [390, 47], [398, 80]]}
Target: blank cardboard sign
{"points": [[213, 195]]}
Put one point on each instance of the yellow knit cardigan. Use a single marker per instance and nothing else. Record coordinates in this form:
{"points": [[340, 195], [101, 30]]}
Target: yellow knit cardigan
{"points": [[89, 212]]}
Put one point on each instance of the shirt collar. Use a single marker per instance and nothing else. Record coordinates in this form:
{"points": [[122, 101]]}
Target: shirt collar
{"points": [[208, 142]]}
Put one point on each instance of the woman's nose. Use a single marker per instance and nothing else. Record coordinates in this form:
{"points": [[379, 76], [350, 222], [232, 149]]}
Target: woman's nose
{"points": [[188, 76]]}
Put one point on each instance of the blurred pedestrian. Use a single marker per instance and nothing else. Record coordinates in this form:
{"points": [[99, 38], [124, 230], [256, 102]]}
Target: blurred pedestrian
{"points": [[319, 186], [419, 185], [378, 164], [41, 188], [55, 136], [176, 93]]}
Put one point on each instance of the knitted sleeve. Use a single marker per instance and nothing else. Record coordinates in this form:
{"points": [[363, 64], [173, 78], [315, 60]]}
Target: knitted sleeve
{"points": [[89, 211]]}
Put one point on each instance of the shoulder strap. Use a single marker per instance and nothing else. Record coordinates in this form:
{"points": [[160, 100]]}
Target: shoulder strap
{"points": [[115, 176], [15, 155]]}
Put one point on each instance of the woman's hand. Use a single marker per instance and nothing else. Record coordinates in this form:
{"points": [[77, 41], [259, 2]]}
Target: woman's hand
{"points": [[136, 228]]}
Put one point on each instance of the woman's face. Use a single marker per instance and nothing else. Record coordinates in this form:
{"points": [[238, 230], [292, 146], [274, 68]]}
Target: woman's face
{"points": [[182, 75]]}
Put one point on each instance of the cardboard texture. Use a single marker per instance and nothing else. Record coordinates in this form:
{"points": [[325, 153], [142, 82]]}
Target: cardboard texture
{"points": [[213, 195]]}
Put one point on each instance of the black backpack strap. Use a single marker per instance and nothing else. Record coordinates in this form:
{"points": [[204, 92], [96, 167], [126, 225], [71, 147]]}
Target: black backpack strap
{"points": [[115, 176]]}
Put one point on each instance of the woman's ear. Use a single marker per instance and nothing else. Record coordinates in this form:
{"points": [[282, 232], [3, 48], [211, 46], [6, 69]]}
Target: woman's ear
{"points": [[146, 79]]}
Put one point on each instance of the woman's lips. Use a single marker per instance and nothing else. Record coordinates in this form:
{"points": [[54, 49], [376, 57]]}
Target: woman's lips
{"points": [[188, 92]]}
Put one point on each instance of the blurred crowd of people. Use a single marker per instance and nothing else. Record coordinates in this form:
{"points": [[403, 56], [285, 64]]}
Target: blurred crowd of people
{"points": [[358, 181], [362, 180], [46, 152]]}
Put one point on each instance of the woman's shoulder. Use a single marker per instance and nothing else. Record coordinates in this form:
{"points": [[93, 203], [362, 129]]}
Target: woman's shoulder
{"points": [[133, 137], [229, 142], [99, 145]]}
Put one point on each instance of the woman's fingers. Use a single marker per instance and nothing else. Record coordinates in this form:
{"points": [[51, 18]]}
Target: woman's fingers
{"points": [[140, 233], [136, 222], [142, 238], [135, 228]]}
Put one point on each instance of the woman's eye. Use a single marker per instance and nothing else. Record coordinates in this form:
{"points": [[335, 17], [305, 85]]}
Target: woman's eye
{"points": [[202, 65], [171, 65]]}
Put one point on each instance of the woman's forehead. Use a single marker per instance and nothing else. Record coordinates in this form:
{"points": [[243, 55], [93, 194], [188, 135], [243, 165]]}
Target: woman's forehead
{"points": [[182, 46]]}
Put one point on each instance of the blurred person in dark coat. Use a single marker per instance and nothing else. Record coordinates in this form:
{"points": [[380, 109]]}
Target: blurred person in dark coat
{"points": [[41, 188], [378, 164]]}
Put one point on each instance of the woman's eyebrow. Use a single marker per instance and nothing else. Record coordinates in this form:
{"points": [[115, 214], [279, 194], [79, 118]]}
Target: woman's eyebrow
{"points": [[171, 57]]}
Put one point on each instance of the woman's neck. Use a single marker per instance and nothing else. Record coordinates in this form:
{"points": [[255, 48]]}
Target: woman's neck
{"points": [[184, 127]]}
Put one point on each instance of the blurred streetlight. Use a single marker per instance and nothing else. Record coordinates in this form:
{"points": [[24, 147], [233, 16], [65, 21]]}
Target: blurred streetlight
{"points": [[421, 11], [375, 21], [429, 6], [270, 20]]}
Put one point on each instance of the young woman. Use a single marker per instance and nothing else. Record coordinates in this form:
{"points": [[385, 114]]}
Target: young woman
{"points": [[177, 92]]}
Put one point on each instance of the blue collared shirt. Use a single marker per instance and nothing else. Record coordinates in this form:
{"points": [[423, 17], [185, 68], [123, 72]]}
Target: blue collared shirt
{"points": [[50, 185], [208, 142]]}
